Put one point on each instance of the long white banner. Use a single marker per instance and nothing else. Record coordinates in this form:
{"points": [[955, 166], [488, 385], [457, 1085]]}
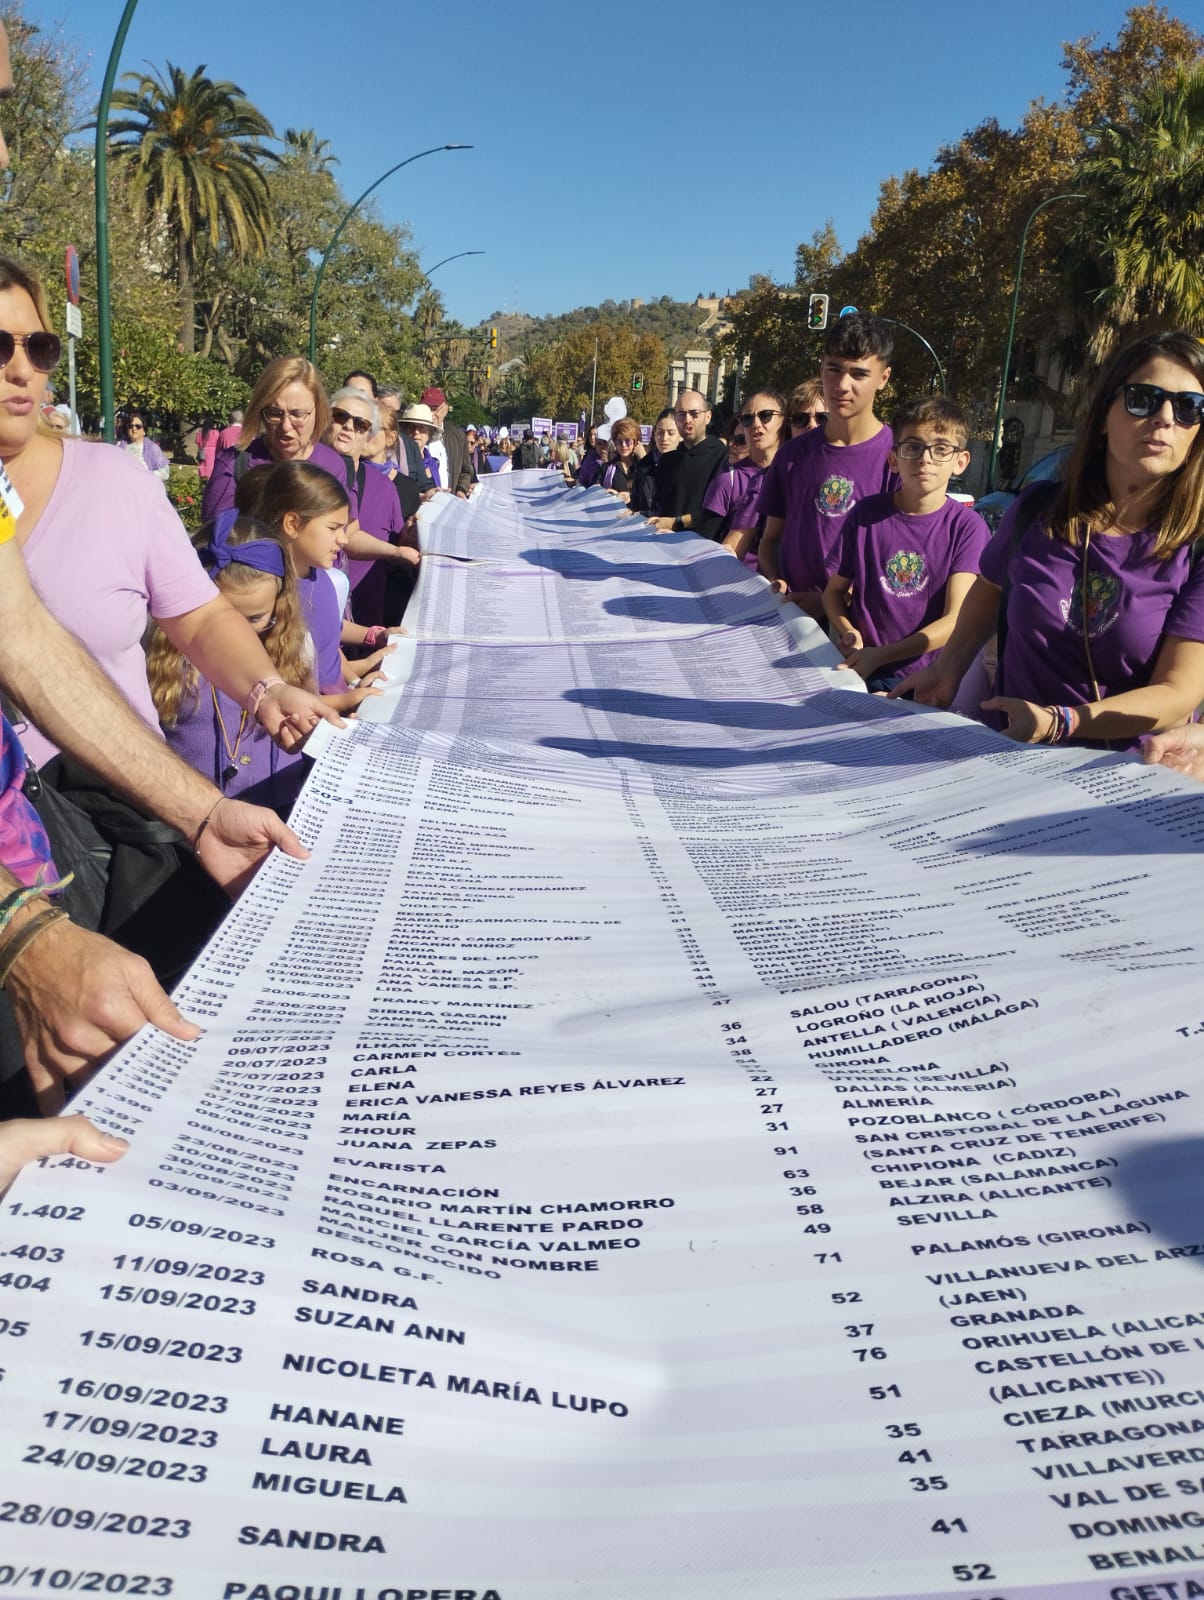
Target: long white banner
{"points": [[688, 1131]]}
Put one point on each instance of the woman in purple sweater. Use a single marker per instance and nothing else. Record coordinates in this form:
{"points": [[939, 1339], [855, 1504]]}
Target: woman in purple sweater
{"points": [[287, 414]]}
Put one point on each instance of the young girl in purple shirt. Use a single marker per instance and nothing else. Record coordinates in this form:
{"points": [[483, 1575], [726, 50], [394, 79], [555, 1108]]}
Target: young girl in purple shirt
{"points": [[308, 510], [205, 727], [1098, 604]]}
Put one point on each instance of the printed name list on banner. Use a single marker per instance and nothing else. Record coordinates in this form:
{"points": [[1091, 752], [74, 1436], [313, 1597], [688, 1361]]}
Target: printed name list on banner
{"points": [[645, 1153]]}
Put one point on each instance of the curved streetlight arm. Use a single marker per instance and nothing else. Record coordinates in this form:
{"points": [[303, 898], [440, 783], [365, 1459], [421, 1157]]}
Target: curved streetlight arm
{"points": [[997, 432], [936, 360], [446, 259], [344, 220], [104, 310]]}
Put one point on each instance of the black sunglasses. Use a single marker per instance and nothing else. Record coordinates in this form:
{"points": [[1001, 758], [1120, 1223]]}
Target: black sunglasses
{"points": [[360, 424], [763, 417], [43, 350], [1145, 399], [802, 419]]}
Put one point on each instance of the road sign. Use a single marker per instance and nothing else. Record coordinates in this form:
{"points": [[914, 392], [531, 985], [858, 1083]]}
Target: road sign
{"points": [[75, 323], [72, 268]]}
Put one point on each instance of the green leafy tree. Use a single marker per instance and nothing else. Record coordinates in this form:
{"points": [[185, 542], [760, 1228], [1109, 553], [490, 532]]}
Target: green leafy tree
{"points": [[1135, 253], [815, 262], [559, 377], [195, 147], [940, 252]]}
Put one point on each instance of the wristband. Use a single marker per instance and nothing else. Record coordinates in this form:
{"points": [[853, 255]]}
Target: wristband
{"points": [[252, 703], [13, 902], [20, 942], [205, 821], [375, 637]]}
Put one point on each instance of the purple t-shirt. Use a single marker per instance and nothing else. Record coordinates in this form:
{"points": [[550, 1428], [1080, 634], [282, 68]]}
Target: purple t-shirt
{"points": [[899, 566], [813, 485], [590, 469], [733, 492], [24, 847], [220, 489], [1133, 602], [107, 550], [213, 740], [323, 616]]}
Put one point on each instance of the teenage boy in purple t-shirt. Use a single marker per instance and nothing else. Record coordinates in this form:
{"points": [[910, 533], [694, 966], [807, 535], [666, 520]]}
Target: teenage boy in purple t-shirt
{"points": [[817, 479], [907, 559]]}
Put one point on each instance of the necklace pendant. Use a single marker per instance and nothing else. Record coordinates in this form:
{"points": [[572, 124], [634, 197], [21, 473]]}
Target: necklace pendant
{"points": [[227, 774]]}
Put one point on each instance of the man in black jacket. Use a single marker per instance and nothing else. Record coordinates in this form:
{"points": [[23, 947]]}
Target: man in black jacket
{"points": [[684, 475]]}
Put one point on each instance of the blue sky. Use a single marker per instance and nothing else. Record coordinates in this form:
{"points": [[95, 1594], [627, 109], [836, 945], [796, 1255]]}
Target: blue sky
{"points": [[639, 152]]}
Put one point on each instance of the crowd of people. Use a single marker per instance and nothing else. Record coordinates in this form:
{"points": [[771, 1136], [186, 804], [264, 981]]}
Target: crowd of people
{"points": [[158, 691]]}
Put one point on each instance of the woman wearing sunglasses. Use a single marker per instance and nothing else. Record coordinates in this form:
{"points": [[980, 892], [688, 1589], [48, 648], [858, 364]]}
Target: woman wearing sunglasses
{"points": [[286, 418], [105, 549], [729, 512], [1090, 583], [807, 408], [141, 448], [373, 545], [625, 442]]}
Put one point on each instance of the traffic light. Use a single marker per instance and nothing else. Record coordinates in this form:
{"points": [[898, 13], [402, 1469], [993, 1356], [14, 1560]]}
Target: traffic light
{"points": [[817, 312], [637, 382], [493, 338]]}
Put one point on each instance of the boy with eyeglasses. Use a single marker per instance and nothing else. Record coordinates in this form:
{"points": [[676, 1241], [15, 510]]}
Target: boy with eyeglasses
{"points": [[817, 478], [907, 559]]}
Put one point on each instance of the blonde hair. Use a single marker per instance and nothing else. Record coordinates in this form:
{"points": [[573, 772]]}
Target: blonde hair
{"points": [[175, 682], [278, 375]]}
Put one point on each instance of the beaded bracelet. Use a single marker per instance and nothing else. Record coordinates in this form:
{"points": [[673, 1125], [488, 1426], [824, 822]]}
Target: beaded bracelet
{"points": [[11, 953]]}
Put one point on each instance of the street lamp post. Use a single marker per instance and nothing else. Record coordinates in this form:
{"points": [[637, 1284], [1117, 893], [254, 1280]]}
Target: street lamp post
{"points": [[1007, 349], [936, 360], [456, 257], [104, 310], [345, 219]]}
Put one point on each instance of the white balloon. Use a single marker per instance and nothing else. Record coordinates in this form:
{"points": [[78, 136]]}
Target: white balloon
{"points": [[615, 408]]}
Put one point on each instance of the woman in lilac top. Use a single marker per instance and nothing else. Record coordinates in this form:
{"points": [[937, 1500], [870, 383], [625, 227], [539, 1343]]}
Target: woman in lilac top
{"points": [[106, 551], [287, 415], [1099, 607]]}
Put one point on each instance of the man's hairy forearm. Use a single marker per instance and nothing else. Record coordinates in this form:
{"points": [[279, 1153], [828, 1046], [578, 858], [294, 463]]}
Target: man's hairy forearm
{"points": [[76, 706]]}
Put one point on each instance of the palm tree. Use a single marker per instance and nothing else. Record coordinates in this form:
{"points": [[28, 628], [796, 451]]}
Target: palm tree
{"points": [[316, 154], [1136, 253], [198, 162]]}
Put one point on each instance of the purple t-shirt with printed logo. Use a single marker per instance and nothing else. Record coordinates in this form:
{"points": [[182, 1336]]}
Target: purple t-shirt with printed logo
{"points": [[1133, 603], [899, 566], [813, 485]]}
